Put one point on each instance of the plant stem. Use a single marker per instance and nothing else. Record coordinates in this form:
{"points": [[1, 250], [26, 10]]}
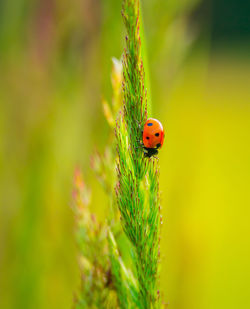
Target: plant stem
{"points": [[138, 181]]}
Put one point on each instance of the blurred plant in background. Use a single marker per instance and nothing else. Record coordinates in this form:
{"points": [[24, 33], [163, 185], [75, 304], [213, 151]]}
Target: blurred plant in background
{"points": [[97, 254], [96, 286], [55, 59]]}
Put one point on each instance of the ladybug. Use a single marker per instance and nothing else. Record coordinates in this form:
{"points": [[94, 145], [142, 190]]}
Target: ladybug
{"points": [[153, 137]]}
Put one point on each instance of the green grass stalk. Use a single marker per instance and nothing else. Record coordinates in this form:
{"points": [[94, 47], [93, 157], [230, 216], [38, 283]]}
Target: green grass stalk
{"points": [[138, 177]]}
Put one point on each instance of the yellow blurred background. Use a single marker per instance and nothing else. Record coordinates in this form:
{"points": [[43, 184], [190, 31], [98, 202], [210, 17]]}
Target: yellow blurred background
{"points": [[55, 68]]}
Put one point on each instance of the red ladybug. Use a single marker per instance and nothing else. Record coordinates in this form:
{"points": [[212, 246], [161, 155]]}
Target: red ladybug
{"points": [[153, 137]]}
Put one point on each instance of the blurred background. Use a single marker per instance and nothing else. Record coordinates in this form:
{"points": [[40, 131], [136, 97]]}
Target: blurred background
{"points": [[55, 60]]}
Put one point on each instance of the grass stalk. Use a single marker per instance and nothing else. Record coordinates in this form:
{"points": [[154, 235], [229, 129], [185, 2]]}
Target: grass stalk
{"points": [[137, 187]]}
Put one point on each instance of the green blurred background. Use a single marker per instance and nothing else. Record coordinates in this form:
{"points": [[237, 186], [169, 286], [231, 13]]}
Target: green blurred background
{"points": [[55, 67]]}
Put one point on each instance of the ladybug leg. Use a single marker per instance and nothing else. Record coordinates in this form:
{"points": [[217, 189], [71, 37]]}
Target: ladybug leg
{"points": [[140, 143], [155, 154], [140, 126], [138, 123], [140, 146], [146, 152]]}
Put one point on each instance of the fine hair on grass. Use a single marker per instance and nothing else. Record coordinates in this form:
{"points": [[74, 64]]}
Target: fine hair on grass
{"points": [[121, 267], [137, 187]]}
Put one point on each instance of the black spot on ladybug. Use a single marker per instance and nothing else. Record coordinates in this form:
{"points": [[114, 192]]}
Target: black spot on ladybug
{"points": [[158, 145], [150, 124], [157, 134], [147, 137]]}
